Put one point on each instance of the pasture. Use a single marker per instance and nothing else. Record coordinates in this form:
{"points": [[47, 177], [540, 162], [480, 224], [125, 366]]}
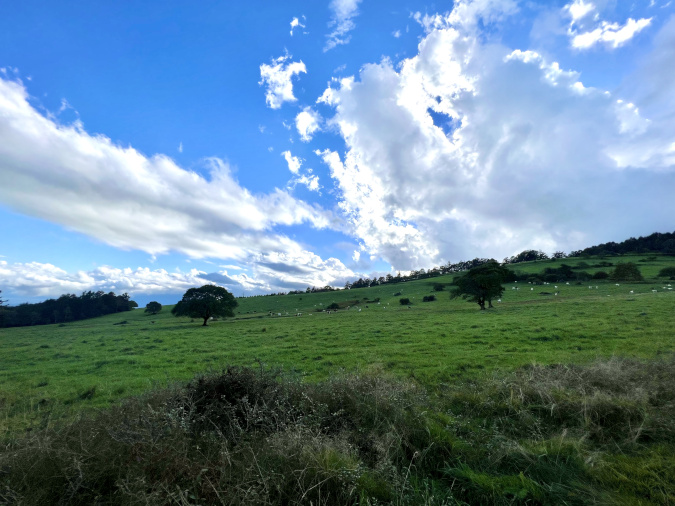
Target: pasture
{"points": [[49, 373]]}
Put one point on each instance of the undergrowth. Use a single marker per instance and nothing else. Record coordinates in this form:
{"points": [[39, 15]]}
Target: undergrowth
{"points": [[564, 434]]}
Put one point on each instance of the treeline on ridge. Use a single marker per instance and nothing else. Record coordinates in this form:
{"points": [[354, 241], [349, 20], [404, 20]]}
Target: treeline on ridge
{"points": [[67, 308]]}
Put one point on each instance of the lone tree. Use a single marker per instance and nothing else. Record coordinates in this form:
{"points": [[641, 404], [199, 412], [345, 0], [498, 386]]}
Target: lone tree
{"points": [[206, 302], [481, 284], [153, 307], [627, 271]]}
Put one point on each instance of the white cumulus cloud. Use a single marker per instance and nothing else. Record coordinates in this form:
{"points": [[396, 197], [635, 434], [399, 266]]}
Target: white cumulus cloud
{"points": [[307, 122], [128, 200], [472, 148], [294, 163], [278, 78], [295, 23]]}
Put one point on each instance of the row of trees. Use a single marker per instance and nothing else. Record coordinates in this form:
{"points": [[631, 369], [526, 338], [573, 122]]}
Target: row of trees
{"points": [[67, 308], [448, 268], [654, 243]]}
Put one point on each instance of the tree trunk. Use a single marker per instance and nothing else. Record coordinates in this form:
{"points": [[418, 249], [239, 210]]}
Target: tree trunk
{"points": [[206, 318]]}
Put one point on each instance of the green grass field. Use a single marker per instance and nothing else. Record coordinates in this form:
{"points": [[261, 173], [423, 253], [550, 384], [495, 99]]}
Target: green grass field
{"points": [[437, 403], [61, 369]]}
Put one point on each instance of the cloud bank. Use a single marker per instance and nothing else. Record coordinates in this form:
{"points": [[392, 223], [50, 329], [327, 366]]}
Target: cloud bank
{"points": [[123, 198], [473, 148]]}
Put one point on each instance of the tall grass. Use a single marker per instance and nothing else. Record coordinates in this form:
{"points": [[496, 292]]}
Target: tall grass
{"points": [[601, 433]]}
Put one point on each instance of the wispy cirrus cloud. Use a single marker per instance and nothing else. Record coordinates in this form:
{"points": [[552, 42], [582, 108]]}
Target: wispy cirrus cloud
{"points": [[342, 21], [586, 29]]}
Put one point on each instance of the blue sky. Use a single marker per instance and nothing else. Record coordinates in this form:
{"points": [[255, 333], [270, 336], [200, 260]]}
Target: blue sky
{"points": [[149, 147]]}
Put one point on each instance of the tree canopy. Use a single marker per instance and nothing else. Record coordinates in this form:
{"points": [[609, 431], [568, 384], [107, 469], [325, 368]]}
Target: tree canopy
{"points": [[206, 302], [153, 307], [627, 271], [481, 284], [67, 308]]}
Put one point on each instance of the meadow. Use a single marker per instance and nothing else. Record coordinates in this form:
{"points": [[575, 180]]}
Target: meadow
{"points": [[59, 369], [52, 374]]}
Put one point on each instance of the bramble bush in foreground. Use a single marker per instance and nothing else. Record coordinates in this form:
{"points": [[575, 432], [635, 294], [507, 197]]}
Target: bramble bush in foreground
{"points": [[561, 434]]}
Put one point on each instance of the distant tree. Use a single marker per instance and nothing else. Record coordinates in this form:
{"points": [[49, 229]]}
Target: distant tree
{"points": [[333, 306], [404, 301], [153, 307], [627, 271], [481, 284], [666, 272], [438, 287], [206, 302], [2, 311], [428, 298]]}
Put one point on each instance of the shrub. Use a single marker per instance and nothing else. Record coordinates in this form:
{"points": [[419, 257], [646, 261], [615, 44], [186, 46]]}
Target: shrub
{"points": [[667, 272], [583, 276], [429, 298], [438, 287], [600, 275], [333, 306], [627, 271], [405, 301]]}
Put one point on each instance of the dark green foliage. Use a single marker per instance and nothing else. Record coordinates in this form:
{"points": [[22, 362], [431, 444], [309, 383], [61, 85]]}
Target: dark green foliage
{"points": [[247, 437], [438, 287], [627, 271], [429, 298], [667, 272], [527, 256], [562, 273], [600, 275], [206, 302], [404, 301], [153, 307], [333, 306], [657, 242], [562, 434], [481, 284], [68, 307]]}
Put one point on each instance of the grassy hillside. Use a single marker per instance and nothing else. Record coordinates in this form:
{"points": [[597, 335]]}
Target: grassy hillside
{"points": [[428, 403], [59, 369]]}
